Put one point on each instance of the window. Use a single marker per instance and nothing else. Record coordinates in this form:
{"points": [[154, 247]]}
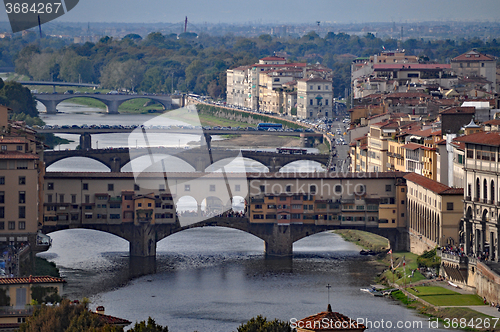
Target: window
{"points": [[393, 221], [310, 102], [187, 187], [326, 103], [49, 198], [22, 197], [312, 189], [2, 225], [2, 212], [87, 198], [111, 187], [149, 204], [162, 187], [73, 199], [403, 202], [22, 180], [22, 212], [388, 187], [338, 188], [50, 186], [139, 204], [2, 180], [12, 225], [4, 147], [262, 189], [212, 187], [449, 206], [288, 188], [22, 225], [237, 187], [61, 198], [85, 186], [136, 187], [114, 216], [402, 215], [402, 190]]}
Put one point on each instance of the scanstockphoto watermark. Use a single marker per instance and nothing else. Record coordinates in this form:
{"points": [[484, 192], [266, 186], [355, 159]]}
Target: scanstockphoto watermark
{"points": [[351, 324], [321, 187]]}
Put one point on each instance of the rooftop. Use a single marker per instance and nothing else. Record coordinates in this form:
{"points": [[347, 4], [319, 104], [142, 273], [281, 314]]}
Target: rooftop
{"points": [[432, 185], [334, 320], [482, 138], [30, 280], [473, 56]]}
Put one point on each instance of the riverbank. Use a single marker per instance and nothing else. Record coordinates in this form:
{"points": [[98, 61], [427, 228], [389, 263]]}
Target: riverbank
{"points": [[448, 315]]}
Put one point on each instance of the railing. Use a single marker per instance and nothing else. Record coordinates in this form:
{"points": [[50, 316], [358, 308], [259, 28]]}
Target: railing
{"points": [[485, 201]]}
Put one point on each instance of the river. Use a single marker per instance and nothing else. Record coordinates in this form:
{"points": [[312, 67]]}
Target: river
{"points": [[213, 279]]}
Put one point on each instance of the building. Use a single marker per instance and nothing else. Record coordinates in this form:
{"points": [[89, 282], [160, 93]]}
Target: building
{"points": [[475, 64], [331, 200], [270, 85], [434, 213], [314, 98], [481, 229], [19, 292], [21, 180]]}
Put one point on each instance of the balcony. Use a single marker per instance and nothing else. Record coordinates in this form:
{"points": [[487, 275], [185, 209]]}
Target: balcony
{"points": [[468, 198], [476, 199]]}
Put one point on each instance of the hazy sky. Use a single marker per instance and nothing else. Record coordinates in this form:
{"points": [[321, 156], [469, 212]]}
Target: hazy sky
{"points": [[280, 11]]}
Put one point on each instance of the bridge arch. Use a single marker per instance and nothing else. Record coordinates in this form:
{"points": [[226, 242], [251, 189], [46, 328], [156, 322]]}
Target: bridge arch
{"points": [[302, 165], [87, 164], [171, 163], [250, 165], [112, 102]]}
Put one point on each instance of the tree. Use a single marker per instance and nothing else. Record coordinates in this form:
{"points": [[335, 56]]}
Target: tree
{"points": [[66, 317], [214, 89], [19, 98], [260, 324], [150, 326]]}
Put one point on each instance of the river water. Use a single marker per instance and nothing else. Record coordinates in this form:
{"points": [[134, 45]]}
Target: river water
{"points": [[213, 279]]}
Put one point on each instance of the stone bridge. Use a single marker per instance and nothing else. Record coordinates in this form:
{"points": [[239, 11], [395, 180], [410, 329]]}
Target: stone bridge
{"points": [[198, 158], [278, 239], [112, 102]]}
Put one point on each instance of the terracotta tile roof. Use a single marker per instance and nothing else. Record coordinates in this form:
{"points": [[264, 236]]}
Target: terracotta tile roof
{"points": [[17, 155], [473, 56], [494, 122], [459, 110], [410, 66], [188, 175], [13, 140], [334, 321], [441, 142], [291, 65], [432, 185], [30, 280], [406, 95], [111, 320], [483, 138], [458, 145], [412, 146]]}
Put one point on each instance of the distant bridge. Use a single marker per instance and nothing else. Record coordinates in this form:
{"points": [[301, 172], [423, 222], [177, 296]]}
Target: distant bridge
{"points": [[198, 158], [54, 84], [112, 102]]}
